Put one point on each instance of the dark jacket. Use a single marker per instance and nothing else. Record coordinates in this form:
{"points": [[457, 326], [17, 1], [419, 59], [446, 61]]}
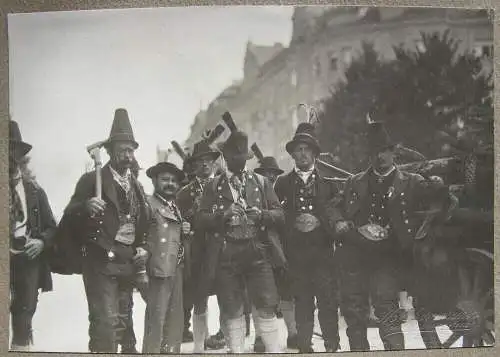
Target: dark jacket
{"points": [[163, 240], [42, 225], [77, 229], [188, 201], [217, 198], [410, 193], [286, 189]]}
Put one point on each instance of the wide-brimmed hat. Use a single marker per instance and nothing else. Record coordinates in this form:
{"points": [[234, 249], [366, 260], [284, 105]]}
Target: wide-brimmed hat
{"points": [[165, 167], [17, 146], [305, 133], [237, 145], [121, 130], [202, 148], [378, 137], [268, 164]]}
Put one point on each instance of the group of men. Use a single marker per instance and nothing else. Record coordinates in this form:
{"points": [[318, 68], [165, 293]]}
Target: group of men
{"points": [[263, 241]]}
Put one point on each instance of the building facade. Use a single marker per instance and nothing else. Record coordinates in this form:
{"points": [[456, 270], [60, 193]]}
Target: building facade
{"points": [[324, 41]]}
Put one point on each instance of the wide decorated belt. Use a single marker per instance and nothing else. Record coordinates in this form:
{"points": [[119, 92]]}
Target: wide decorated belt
{"points": [[374, 232], [306, 222], [126, 234], [241, 228]]}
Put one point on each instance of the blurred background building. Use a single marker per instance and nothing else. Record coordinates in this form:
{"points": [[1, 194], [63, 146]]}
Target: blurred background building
{"points": [[324, 40]]}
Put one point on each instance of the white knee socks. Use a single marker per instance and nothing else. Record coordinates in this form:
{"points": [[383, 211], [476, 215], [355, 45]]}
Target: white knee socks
{"points": [[255, 321], [268, 329], [235, 336]]}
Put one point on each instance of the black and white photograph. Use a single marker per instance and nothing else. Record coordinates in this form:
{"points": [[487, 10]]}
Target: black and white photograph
{"points": [[251, 179]]}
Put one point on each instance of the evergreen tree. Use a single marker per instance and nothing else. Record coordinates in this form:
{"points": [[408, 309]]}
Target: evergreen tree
{"points": [[420, 95]]}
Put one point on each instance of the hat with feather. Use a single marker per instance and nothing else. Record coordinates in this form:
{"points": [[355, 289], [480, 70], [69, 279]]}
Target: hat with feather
{"points": [[305, 133], [237, 142]]}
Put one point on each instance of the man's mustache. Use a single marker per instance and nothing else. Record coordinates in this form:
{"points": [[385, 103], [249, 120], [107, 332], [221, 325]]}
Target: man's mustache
{"points": [[169, 188]]}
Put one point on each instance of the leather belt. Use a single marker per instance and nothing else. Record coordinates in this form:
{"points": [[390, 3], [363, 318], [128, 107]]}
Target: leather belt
{"points": [[306, 222]]}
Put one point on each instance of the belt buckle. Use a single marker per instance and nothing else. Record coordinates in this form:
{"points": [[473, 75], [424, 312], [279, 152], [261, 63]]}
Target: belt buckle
{"points": [[306, 222]]}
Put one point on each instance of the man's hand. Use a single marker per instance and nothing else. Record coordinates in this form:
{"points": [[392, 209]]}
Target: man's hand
{"points": [[186, 228], [254, 213], [95, 206], [343, 226], [33, 248], [141, 256], [233, 210]]}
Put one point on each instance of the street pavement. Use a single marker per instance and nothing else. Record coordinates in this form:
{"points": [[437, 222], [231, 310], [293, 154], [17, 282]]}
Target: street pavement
{"points": [[61, 323]]}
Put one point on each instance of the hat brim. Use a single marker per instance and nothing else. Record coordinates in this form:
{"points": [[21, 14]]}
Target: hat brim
{"points": [[290, 146], [20, 148], [158, 169], [214, 154], [248, 155], [263, 170], [119, 138]]}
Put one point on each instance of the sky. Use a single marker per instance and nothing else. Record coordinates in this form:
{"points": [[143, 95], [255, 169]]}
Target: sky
{"points": [[69, 71]]}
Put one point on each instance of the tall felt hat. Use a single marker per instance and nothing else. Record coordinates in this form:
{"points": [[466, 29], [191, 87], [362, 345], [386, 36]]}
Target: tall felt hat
{"points": [[165, 167], [378, 137], [17, 146], [305, 133], [268, 164], [237, 142], [121, 130]]}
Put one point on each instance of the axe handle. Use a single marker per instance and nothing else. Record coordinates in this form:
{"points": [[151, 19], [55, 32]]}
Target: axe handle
{"points": [[98, 180]]}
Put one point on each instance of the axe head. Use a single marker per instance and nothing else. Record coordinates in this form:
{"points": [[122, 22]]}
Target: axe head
{"points": [[95, 146], [179, 150], [215, 133], [256, 150], [228, 119]]}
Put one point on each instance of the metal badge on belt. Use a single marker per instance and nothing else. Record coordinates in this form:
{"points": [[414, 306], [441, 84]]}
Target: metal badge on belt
{"points": [[373, 232], [126, 234], [306, 222]]}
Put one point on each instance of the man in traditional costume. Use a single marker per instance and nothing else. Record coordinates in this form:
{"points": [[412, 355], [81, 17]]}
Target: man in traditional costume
{"points": [[111, 232], [309, 241], [164, 318], [238, 208], [375, 217], [202, 160], [32, 228]]}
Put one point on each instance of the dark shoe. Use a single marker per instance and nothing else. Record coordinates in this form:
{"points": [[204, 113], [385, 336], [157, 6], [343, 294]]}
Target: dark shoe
{"points": [[187, 336], [306, 350], [292, 342], [129, 350], [220, 335], [215, 343], [258, 345]]}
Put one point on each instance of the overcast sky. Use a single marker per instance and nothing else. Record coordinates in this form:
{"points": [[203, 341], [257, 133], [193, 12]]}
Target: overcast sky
{"points": [[69, 71]]}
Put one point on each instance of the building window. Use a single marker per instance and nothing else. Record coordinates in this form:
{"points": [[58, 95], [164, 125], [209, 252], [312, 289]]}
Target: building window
{"points": [[317, 67], [295, 119], [419, 44], [293, 78], [483, 50], [347, 55], [333, 63]]}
